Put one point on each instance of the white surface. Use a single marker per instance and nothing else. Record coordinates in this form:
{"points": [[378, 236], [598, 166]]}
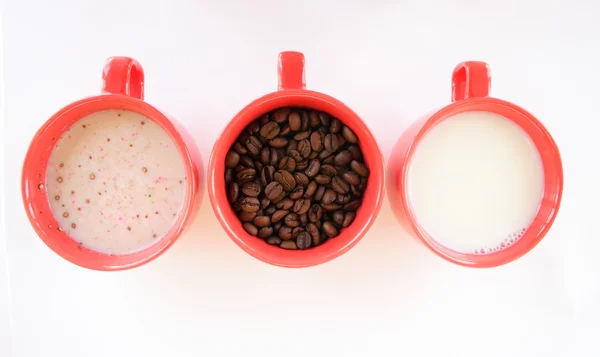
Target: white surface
{"points": [[388, 295]]}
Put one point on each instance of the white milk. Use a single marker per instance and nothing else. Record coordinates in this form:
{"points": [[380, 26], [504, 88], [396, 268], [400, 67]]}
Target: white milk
{"points": [[116, 182], [475, 182]]}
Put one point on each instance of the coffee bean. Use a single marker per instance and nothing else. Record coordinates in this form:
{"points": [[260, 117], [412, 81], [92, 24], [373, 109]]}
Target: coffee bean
{"points": [[265, 232], [353, 205], [294, 121], [316, 141], [285, 232], [331, 142], [320, 192], [343, 158], [281, 115], [286, 180], [250, 228], [258, 166], [273, 190], [301, 166], [279, 142], [229, 176], [233, 191], [302, 135], [270, 130], [338, 217], [302, 205], [335, 126], [301, 179], [266, 175], [249, 204], [288, 164], [253, 145], [312, 229], [253, 128], [313, 168], [359, 168], [325, 118], [296, 231], [270, 210], [246, 175], [262, 221], [286, 203], [295, 154], [274, 240], [339, 185], [351, 177], [292, 220], [251, 189], [240, 149], [349, 135], [278, 215], [304, 148], [315, 213], [285, 130], [330, 229], [296, 193], [356, 153], [288, 244], [304, 240], [331, 206], [246, 216], [344, 198], [311, 188], [322, 179], [329, 170], [276, 156], [324, 155], [348, 219], [265, 155], [232, 159], [329, 196]]}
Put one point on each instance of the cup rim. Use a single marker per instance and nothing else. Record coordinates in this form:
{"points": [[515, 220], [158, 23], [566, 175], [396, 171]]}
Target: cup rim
{"points": [[335, 247], [553, 184], [34, 173]]}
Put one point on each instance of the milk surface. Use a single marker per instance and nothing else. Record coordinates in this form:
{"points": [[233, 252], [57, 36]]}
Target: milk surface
{"points": [[115, 182], [475, 182]]}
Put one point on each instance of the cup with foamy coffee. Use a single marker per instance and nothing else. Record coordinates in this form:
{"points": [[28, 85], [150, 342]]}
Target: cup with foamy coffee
{"points": [[479, 181], [109, 182]]}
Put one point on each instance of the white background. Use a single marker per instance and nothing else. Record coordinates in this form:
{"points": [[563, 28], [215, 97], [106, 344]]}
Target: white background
{"points": [[388, 60]]}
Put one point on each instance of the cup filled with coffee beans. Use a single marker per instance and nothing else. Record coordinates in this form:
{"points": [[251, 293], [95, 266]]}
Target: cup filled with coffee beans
{"points": [[296, 178]]}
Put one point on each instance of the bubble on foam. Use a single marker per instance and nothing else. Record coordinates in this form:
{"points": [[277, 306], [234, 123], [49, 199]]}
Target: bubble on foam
{"points": [[509, 241]]}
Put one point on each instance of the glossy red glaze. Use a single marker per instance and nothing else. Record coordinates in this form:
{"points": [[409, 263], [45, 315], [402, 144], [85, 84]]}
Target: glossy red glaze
{"points": [[123, 83], [292, 94], [470, 87]]}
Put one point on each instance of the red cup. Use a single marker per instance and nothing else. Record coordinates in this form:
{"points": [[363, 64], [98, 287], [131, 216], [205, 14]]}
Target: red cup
{"points": [[123, 88], [292, 93], [470, 92]]}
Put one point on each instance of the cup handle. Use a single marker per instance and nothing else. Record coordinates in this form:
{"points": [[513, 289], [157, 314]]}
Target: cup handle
{"points": [[123, 75], [290, 71], [471, 79]]}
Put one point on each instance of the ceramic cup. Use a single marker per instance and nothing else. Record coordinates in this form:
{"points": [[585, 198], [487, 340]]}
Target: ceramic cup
{"points": [[293, 93], [470, 92], [122, 88]]}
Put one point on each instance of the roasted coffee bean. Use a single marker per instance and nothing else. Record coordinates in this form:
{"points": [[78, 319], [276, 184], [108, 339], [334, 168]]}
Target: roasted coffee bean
{"points": [[296, 231], [277, 226], [351, 177], [302, 205], [359, 168], [304, 240], [280, 197], [352, 205], [266, 175], [286, 203], [339, 185], [285, 232], [312, 229], [313, 155], [276, 156], [313, 168], [296, 193], [249, 204], [292, 220], [229, 174], [343, 158], [316, 141], [302, 165], [295, 154], [335, 126], [240, 149], [325, 118], [330, 229], [320, 192], [329, 170], [311, 188], [273, 190], [253, 145], [233, 191], [250, 228], [314, 120], [274, 240], [304, 148], [324, 155], [278, 215], [253, 128], [294, 121], [331, 206], [301, 179], [331, 143], [270, 210], [303, 219], [322, 179], [288, 164], [356, 153], [265, 155], [270, 130], [264, 119], [281, 115], [344, 198], [240, 168], [302, 135], [258, 166], [348, 219], [232, 159], [292, 145], [278, 142], [262, 221], [315, 213], [246, 175], [246, 216], [286, 180], [285, 130], [329, 196], [349, 135], [288, 244], [251, 189], [265, 232], [338, 217]]}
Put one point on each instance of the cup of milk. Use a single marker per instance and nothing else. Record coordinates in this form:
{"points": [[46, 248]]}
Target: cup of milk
{"points": [[109, 182], [479, 181]]}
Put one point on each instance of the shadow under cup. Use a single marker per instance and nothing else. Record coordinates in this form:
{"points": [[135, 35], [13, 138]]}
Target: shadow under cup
{"points": [[334, 247], [34, 178]]}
